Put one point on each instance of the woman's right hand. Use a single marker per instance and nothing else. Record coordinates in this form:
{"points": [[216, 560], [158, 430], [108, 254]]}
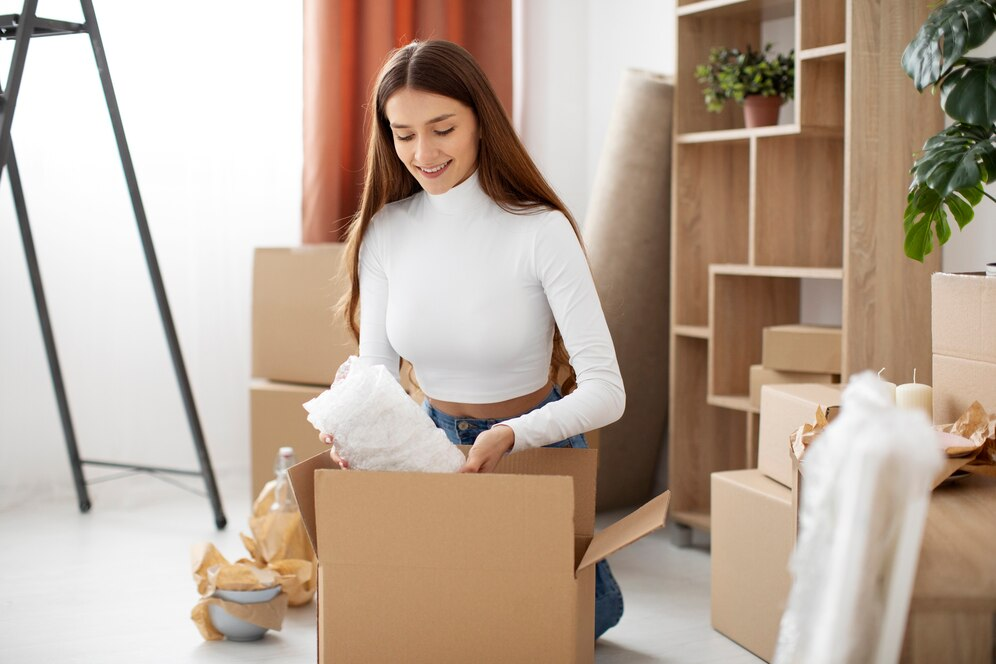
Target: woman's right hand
{"points": [[328, 440]]}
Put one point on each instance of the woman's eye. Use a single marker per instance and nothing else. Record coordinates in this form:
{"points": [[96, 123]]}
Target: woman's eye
{"points": [[445, 131], [404, 138]]}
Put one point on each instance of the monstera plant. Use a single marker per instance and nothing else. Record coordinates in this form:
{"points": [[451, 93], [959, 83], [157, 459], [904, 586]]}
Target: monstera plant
{"points": [[954, 165]]}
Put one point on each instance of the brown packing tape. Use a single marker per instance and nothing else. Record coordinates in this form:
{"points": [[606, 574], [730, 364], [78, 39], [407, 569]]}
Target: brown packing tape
{"points": [[264, 614]]}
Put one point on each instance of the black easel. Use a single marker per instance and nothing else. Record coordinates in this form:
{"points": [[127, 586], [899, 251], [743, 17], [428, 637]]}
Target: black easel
{"points": [[21, 28]]}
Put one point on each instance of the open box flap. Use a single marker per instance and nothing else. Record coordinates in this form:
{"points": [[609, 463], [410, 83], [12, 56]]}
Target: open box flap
{"points": [[302, 479], [627, 530]]}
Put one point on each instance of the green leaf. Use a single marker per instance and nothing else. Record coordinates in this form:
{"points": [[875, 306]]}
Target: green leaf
{"points": [[925, 216], [958, 157], [972, 194], [961, 211], [917, 224], [968, 94], [949, 32]]}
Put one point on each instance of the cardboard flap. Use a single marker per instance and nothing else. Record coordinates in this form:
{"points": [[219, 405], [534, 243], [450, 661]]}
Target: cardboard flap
{"points": [[302, 479], [579, 464], [627, 530]]}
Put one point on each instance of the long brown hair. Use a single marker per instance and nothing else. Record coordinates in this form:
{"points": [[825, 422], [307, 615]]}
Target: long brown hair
{"points": [[505, 170]]}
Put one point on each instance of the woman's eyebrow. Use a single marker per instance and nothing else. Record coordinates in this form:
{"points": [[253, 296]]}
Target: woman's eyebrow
{"points": [[438, 118]]}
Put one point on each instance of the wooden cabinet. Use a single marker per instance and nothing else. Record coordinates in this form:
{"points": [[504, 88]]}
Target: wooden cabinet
{"points": [[756, 212]]}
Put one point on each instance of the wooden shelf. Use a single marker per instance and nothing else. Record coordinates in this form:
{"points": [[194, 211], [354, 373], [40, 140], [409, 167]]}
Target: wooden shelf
{"points": [[834, 52], [756, 213], [697, 520], [692, 331], [764, 9], [777, 271], [739, 402], [725, 135], [728, 135]]}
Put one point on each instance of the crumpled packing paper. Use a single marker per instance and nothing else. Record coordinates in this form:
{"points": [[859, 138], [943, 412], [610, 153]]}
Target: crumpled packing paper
{"points": [[279, 541], [213, 571], [377, 426], [968, 443]]}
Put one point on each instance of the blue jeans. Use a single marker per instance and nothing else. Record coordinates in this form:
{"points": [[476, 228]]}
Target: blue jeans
{"points": [[464, 431]]}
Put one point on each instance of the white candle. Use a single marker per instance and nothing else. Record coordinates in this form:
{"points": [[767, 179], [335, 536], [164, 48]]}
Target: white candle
{"points": [[916, 396], [890, 388]]}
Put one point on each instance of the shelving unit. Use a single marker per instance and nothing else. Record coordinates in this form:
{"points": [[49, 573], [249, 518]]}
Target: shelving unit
{"points": [[755, 212]]}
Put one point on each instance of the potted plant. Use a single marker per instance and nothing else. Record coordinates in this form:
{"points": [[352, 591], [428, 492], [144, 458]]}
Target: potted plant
{"points": [[754, 79], [955, 164]]}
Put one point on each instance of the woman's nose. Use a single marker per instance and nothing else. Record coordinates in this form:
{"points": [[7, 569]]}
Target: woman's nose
{"points": [[425, 150]]}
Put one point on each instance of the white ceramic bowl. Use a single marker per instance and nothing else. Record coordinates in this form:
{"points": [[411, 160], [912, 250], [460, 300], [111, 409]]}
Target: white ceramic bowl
{"points": [[236, 629]]}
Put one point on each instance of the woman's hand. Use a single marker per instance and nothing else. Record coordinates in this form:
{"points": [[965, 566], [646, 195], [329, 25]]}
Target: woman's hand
{"points": [[327, 439], [488, 449]]}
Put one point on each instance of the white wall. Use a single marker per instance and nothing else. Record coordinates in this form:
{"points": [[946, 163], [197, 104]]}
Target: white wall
{"points": [[211, 98], [571, 55]]}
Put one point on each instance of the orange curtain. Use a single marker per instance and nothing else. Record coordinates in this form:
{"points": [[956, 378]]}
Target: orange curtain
{"points": [[345, 43]]}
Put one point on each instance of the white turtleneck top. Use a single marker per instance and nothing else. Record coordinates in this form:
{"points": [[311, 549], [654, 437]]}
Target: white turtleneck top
{"points": [[469, 294]]}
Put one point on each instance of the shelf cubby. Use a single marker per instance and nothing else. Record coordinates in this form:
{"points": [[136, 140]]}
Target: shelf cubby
{"points": [[820, 92], [823, 22], [741, 306], [714, 435], [697, 35], [798, 201], [709, 228]]}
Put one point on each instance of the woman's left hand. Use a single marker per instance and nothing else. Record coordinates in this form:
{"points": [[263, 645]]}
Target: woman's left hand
{"points": [[488, 449]]}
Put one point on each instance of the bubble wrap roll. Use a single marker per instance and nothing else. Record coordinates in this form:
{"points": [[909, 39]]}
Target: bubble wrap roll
{"points": [[377, 426]]}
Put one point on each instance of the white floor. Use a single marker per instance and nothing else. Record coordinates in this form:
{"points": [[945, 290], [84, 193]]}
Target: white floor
{"points": [[114, 585]]}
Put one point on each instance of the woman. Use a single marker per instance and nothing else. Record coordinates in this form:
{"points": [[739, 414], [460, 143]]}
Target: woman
{"points": [[464, 261]]}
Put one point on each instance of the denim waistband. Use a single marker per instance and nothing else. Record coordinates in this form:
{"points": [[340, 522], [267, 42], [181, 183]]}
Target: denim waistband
{"points": [[465, 429]]}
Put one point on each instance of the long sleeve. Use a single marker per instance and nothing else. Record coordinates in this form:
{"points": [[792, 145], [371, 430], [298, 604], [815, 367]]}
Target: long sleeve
{"points": [[375, 348], [600, 397]]}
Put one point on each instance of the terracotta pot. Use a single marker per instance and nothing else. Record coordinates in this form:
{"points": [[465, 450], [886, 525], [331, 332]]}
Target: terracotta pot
{"points": [[760, 111]]}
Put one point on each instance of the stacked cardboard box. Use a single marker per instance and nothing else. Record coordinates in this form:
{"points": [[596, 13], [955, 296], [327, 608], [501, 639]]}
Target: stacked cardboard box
{"points": [[796, 354], [753, 522], [964, 342], [297, 345], [751, 530]]}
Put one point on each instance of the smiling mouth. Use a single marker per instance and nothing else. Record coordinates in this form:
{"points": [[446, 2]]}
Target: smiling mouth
{"points": [[435, 170]]}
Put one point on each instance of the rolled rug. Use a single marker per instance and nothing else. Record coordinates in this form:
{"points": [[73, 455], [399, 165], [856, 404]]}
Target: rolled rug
{"points": [[627, 233]]}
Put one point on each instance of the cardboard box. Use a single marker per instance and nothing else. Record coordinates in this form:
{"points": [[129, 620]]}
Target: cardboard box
{"points": [[276, 419], [958, 382], [784, 408], [752, 540], [447, 567], [963, 322], [296, 338], [963, 316], [802, 348], [761, 376]]}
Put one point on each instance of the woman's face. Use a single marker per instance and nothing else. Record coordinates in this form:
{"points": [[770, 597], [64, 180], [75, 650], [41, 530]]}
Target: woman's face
{"points": [[435, 137]]}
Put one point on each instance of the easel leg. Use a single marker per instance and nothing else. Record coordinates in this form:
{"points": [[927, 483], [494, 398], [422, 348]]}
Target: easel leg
{"points": [[46, 326], [193, 420]]}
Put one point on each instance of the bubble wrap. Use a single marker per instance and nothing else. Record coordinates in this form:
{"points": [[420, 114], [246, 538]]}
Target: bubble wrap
{"points": [[377, 426]]}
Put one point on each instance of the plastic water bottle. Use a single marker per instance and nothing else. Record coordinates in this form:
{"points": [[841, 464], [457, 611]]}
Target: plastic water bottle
{"points": [[283, 496]]}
